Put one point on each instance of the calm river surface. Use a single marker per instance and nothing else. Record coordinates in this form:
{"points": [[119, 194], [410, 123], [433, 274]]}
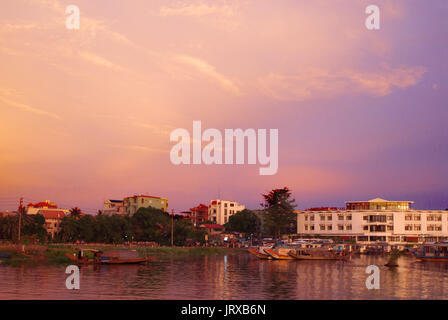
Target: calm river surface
{"points": [[230, 276]]}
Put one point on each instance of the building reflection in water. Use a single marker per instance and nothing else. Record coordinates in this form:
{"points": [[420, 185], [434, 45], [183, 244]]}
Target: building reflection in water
{"points": [[230, 276]]}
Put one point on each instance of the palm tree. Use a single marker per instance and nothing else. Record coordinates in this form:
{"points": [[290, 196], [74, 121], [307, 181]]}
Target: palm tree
{"points": [[75, 212]]}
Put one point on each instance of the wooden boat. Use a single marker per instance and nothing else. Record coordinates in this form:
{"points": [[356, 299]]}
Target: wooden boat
{"points": [[319, 254], [279, 253], [259, 254], [432, 252], [109, 257]]}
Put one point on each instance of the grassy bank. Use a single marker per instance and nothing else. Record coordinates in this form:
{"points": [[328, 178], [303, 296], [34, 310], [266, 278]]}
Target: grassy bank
{"points": [[56, 254]]}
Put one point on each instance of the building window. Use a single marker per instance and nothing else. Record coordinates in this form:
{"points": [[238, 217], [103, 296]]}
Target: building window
{"points": [[365, 228], [329, 218], [365, 218], [322, 227], [430, 228], [438, 217], [390, 228], [417, 217], [438, 228], [408, 217], [377, 218], [232, 204], [390, 218], [417, 227], [340, 227], [312, 228], [306, 218], [349, 217], [322, 217], [408, 227], [430, 217], [349, 227], [330, 227], [306, 227], [340, 217], [312, 217]]}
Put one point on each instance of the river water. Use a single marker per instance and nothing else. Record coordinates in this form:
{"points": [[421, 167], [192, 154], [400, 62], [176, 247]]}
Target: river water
{"points": [[230, 276]]}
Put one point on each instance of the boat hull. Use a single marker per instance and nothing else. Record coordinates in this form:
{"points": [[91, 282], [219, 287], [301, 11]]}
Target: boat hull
{"points": [[278, 256], [260, 255], [429, 258], [318, 257], [109, 262]]}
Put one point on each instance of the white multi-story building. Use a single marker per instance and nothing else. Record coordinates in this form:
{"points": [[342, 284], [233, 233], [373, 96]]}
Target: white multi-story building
{"points": [[219, 211], [375, 220], [112, 207]]}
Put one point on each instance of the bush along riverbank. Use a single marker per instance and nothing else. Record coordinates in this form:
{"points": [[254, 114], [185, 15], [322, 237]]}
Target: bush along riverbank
{"points": [[56, 254]]}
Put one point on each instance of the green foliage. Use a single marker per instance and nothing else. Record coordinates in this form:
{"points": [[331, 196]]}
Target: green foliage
{"points": [[147, 224], [279, 212], [244, 221], [32, 228], [8, 227]]}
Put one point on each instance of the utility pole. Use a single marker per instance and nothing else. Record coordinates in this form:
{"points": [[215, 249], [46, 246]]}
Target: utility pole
{"points": [[172, 227], [20, 218]]}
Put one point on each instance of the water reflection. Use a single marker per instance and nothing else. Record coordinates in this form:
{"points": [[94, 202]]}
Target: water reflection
{"points": [[230, 276]]}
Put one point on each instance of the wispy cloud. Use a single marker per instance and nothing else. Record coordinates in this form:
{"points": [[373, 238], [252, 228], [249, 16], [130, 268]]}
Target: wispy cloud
{"points": [[138, 148], [201, 9], [318, 83], [208, 70], [99, 61], [163, 130], [221, 14], [6, 97]]}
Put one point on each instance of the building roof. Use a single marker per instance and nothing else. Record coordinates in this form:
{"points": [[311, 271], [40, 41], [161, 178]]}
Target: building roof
{"points": [[46, 203], [143, 196], [211, 226], [200, 206], [323, 209], [52, 214], [377, 200]]}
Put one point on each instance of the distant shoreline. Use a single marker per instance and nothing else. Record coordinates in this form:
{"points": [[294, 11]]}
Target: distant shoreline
{"points": [[56, 253]]}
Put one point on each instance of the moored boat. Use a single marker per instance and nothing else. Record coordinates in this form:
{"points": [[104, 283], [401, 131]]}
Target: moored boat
{"points": [[432, 252], [260, 254], [108, 257], [324, 253], [279, 253]]}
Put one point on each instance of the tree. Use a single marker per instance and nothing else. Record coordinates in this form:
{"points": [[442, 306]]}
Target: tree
{"points": [[244, 221], [33, 226], [75, 212], [279, 212]]}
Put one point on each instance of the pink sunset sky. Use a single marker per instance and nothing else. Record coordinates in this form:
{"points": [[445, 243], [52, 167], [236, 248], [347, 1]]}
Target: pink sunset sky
{"points": [[86, 115]]}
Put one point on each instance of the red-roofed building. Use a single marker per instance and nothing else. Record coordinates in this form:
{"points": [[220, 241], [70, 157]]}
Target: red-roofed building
{"points": [[53, 220], [212, 228], [47, 205], [7, 213], [199, 214]]}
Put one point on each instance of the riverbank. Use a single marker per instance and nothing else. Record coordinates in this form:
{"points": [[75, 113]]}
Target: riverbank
{"points": [[56, 254]]}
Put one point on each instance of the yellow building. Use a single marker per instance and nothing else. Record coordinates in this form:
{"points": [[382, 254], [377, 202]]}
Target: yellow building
{"points": [[132, 204], [53, 220]]}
